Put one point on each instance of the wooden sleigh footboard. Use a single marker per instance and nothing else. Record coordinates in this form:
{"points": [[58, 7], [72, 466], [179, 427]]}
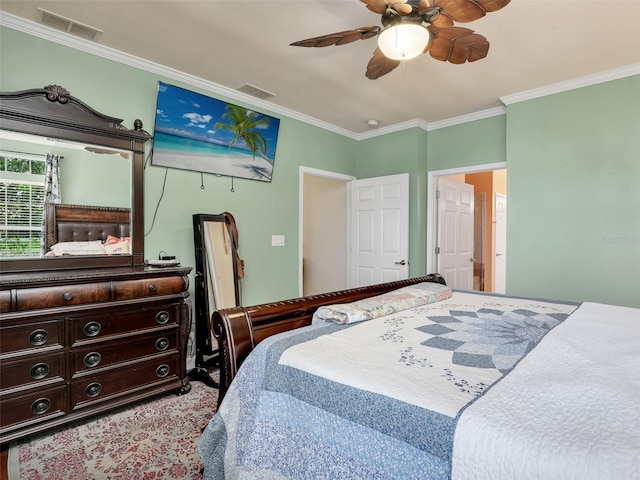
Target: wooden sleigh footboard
{"points": [[240, 329]]}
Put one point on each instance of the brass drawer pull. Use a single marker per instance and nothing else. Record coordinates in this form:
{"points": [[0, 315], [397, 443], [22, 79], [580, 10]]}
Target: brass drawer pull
{"points": [[162, 371], [162, 344], [92, 329], [153, 287], [38, 337], [93, 390], [162, 317], [40, 406], [39, 371], [68, 296], [92, 359]]}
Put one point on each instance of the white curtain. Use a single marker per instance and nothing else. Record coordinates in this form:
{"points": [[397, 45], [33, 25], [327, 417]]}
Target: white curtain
{"points": [[51, 191]]}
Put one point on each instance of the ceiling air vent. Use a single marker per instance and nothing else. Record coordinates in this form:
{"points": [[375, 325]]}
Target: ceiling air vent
{"points": [[255, 91], [67, 25]]}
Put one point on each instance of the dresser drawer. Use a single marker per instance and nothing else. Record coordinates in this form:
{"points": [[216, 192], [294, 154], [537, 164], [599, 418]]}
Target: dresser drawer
{"points": [[31, 336], [91, 389], [50, 297], [129, 289], [5, 301], [121, 322], [103, 354], [25, 410], [32, 371]]}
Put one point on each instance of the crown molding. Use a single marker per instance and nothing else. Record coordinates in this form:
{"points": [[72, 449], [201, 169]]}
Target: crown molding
{"points": [[586, 81], [62, 38], [471, 117], [397, 127]]}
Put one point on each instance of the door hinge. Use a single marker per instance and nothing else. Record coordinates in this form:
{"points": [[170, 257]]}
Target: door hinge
{"points": [[437, 193], [437, 250]]}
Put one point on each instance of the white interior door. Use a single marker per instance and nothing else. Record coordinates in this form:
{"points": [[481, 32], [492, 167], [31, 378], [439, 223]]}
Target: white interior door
{"points": [[454, 247], [500, 257], [379, 230]]}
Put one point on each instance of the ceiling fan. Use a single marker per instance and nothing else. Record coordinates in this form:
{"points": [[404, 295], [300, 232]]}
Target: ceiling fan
{"points": [[412, 27]]}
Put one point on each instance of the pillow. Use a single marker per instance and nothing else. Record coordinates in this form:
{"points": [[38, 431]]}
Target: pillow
{"points": [[114, 245], [78, 248], [385, 304]]}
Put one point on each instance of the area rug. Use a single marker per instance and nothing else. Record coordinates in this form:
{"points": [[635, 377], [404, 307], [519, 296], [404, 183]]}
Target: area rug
{"points": [[154, 440]]}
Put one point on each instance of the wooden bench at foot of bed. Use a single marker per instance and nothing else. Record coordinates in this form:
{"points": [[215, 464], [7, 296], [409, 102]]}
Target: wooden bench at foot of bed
{"points": [[239, 329]]}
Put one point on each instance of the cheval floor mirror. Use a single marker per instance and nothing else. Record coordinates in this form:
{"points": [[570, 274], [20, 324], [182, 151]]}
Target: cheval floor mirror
{"points": [[216, 284]]}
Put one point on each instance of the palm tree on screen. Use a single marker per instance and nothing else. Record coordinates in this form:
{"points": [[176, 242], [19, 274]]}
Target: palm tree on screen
{"points": [[244, 124]]}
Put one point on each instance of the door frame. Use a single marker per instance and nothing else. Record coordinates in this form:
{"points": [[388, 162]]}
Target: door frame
{"points": [[495, 235], [326, 174], [432, 214]]}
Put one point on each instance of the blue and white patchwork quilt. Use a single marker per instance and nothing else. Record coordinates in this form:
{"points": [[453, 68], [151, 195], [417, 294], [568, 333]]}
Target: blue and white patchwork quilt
{"points": [[379, 399]]}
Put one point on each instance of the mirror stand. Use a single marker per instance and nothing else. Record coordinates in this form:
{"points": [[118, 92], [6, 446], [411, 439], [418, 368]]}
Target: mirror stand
{"points": [[216, 284]]}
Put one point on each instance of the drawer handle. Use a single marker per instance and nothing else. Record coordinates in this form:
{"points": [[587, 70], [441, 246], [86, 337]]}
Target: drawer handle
{"points": [[68, 296], [162, 344], [38, 337], [162, 317], [92, 359], [162, 371], [93, 390], [92, 329], [39, 371], [153, 287], [40, 406]]}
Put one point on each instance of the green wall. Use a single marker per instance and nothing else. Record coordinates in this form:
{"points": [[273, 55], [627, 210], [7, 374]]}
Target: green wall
{"points": [[573, 176], [573, 163]]}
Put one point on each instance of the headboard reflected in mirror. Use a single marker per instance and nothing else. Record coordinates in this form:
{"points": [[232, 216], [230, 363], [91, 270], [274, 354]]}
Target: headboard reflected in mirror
{"points": [[52, 114], [85, 229]]}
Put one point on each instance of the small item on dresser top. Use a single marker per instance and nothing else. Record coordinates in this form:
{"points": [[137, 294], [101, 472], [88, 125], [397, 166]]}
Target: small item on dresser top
{"points": [[162, 263], [163, 260]]}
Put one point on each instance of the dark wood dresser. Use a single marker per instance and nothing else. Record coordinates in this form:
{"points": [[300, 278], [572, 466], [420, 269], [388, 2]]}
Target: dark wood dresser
{"points": [[77, 343]]}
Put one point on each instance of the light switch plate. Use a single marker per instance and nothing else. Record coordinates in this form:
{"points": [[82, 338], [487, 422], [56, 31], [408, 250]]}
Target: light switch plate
{"points": [[277, 240]]}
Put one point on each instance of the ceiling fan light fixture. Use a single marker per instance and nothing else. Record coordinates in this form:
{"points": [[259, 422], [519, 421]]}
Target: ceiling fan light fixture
{"points": [[403, 41]]}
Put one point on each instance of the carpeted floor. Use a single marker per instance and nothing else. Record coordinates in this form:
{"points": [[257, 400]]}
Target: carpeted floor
{"points": [[154, 440]]}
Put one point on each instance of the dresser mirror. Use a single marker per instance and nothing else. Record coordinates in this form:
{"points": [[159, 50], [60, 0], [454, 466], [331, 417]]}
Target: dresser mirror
{"points": [[101, 165]]}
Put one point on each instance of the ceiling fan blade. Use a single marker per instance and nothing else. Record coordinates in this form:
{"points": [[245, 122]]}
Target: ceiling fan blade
{"points": [[400, 6], [493, 5], [442, 21], [339, 38], [380, 65], [376, 6], [457, 45], [461, 10]]}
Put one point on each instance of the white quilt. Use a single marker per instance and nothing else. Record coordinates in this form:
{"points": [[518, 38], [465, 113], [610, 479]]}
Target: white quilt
{"points": [[570, 409]]}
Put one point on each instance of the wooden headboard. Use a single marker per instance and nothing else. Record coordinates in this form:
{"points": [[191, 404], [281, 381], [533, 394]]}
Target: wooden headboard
{"points": [[240, 329], [82, 223]]}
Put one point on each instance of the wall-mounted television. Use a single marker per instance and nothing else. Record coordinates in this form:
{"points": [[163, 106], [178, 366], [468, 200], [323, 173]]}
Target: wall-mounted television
{"points": [[200, 133]]}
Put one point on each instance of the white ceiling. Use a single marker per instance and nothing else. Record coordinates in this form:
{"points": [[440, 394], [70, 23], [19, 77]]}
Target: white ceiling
{"points": [[534, 44]]}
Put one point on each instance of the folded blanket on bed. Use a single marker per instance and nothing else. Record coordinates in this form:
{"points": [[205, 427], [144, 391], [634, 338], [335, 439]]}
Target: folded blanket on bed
{"points": [[385, 304]]}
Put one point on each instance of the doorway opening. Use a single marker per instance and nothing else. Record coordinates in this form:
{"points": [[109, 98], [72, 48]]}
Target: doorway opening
{"points": [[323, 248], [485, 216]]}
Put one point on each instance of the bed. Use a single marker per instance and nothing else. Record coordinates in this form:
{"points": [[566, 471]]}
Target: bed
{"points": [[412, 380], [86, 230]]}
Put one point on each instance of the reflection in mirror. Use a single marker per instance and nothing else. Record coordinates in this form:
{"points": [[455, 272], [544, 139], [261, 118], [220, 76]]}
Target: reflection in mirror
{"points": [[216, 282], [89, 175]]}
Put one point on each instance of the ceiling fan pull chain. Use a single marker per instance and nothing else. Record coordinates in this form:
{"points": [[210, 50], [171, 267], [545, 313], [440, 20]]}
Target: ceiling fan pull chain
{"points": [[202, 180], [232, 190]]}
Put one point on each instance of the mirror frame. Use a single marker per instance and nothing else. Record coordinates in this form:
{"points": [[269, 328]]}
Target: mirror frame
{"points": [[52, 112], [206, 343]]}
